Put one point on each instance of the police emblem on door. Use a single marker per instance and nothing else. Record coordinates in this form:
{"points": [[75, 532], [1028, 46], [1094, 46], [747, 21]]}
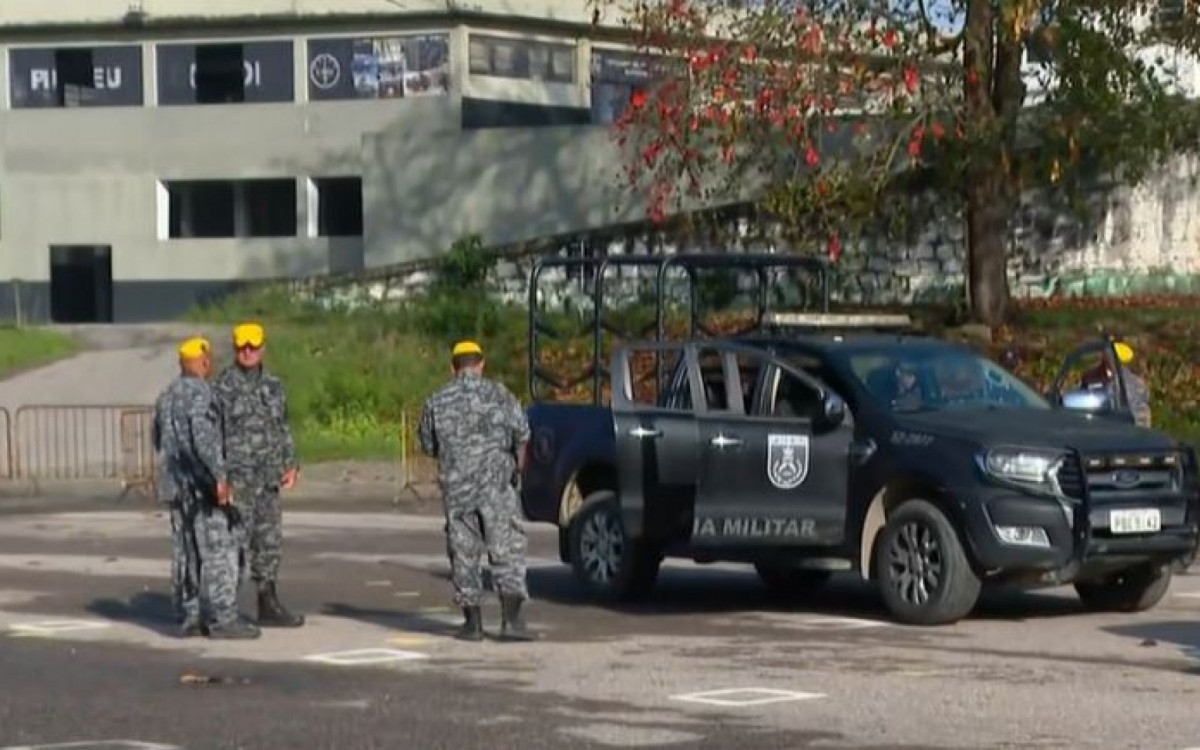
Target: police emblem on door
{"points": [[787, 460]]}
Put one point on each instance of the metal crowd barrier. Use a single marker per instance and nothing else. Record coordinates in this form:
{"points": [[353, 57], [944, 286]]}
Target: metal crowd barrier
{"points": [[62, 442]]}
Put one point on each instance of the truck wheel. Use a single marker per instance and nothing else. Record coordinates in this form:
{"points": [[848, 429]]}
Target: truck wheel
{"points": [[605, 560], [1183, 565], [922, 569], [1133, 590], [789, 582]]}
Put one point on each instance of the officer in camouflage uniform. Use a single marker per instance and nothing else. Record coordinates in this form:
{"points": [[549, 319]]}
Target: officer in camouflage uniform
{"points": [[1103, 377], [191, 482], [261, 458], [476, 429]]}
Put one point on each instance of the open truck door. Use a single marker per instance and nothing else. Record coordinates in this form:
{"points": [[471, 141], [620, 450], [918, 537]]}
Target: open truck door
{"points": [[1077, 386], [773, 462], [656, 433]]}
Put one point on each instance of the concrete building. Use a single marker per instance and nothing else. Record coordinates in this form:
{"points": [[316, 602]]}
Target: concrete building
{"points": [[154, 152]]}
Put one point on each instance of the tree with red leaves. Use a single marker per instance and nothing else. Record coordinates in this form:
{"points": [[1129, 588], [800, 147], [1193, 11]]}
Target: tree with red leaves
{"points": [[826, 112]]}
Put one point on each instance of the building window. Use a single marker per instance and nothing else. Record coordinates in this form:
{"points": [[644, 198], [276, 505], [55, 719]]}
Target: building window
{"points": [[478, 114], [55, 77], [225, 73], [339, 206], [231, 208], [379, 68], [615, 78], [522, 58]]}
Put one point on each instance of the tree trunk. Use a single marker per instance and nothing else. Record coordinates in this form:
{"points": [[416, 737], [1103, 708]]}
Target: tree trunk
{"points": [[988, 209]]}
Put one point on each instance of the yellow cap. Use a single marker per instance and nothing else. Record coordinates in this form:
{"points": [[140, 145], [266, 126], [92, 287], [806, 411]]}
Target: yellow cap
{"points": [[248, 334], [466, 347], [193, 348], [1124, 352]]}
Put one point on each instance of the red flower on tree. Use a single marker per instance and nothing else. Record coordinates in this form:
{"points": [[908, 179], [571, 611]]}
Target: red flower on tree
{"points": [[834, 248]]}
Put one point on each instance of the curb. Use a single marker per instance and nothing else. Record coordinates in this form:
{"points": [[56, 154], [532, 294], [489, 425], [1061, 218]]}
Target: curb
{"points": [[416, 499]]}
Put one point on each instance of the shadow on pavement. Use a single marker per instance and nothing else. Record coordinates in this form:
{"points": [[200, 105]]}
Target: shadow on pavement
{"points": [[1183, 635], [721, 591], [391, 619], [149, 610]]}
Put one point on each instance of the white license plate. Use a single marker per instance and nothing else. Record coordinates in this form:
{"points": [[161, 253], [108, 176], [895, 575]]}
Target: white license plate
{"points": [[1135, 521]]}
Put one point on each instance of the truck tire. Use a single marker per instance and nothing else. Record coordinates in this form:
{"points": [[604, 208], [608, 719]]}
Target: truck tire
{"points": [[1134, 590], [1183, 565], [922, 570], [789, 582], [610, 565]]}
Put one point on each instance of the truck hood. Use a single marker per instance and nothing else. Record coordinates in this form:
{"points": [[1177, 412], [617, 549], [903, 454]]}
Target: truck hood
{"points": [[1051, 428]]}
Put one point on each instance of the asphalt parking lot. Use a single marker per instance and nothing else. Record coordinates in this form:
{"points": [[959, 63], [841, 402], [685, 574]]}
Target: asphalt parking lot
{"points": [[89, 658]]}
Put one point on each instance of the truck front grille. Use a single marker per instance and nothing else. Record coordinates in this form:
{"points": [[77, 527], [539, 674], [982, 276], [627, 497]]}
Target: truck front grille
{"points": [[1070, 477], [1114, 478]]}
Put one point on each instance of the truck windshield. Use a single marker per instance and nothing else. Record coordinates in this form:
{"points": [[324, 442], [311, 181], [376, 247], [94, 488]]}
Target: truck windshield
{"points": [[937, 379]]}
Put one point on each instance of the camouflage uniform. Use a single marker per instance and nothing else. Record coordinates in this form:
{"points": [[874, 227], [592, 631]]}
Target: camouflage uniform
{"points": [[474, 427], [258, 450], [1139, 397], [187, 445]]}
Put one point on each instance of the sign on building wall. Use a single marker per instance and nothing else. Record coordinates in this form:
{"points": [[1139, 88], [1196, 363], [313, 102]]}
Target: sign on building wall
{"points": [[522, 58], [75, 77], [390, 67], [225, 73], [615, 76]]}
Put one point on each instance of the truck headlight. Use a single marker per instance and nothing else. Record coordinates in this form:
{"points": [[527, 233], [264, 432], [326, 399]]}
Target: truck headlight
{"points": [[1033, 468]]}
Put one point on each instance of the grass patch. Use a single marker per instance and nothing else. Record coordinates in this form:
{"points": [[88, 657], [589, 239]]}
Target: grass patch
{"points": [[356, 379], [24, 348]]}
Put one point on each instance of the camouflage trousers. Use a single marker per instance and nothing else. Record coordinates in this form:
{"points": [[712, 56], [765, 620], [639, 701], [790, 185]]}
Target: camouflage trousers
{"points": [[491, 524], [204, 568], [262, 532]]}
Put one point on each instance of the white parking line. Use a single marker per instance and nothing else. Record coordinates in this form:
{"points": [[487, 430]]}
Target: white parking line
{"points": [[97, 745], [1188, 595], [764, 696], [53, 627], [840, 623], [366, 656]]}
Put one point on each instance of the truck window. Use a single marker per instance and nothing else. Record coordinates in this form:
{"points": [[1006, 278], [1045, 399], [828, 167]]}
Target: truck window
{"points": [[672, 392], [712, 373], [792, 398]]}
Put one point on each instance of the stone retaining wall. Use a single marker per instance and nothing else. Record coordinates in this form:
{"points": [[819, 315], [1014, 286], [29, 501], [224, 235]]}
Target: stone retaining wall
{"points": [[1143, 238]]}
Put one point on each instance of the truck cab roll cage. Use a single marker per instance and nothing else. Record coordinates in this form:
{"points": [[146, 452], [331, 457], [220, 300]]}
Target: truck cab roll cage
{"points": [[661, 265]]}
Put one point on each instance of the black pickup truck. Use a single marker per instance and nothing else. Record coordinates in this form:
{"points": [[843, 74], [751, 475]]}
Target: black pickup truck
{"points": [[811, 446]]}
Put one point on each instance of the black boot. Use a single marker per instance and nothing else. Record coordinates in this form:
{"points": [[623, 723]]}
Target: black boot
{"points": [[238, 629], [271, 614], [472, 627], [513, 627]]}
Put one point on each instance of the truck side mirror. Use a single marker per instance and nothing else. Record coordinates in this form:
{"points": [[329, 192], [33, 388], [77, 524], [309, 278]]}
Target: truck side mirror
{"points": [[833, 412], [1085, 400]]}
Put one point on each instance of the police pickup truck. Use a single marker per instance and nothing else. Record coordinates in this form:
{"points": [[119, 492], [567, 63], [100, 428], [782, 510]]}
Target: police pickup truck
{"points": [[812, 445]]}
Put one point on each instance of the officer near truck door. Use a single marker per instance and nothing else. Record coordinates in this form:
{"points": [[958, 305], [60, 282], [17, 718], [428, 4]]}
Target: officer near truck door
{"points": [[190, 479], [261, 457], [1103, 377], [477, 431]]}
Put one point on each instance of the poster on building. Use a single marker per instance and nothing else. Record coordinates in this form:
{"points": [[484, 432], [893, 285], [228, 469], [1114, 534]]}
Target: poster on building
{"points": [[393, 67], [52, 77], [506, 57], [615, 76], [225, 73]]}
